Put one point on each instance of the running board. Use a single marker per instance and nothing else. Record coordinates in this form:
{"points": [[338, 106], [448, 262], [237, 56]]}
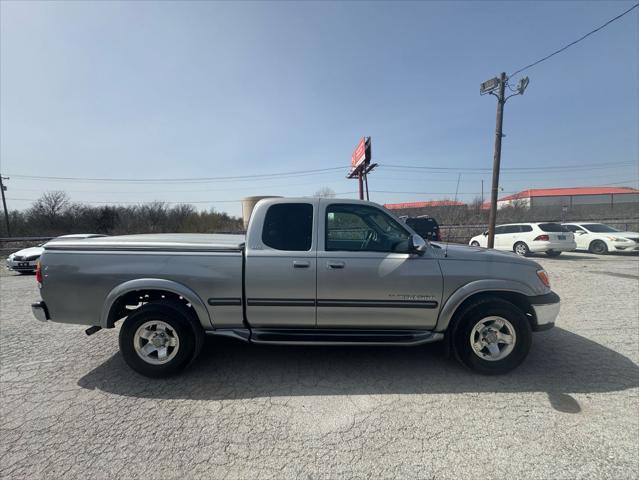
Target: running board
{"points": [[319, 336]]}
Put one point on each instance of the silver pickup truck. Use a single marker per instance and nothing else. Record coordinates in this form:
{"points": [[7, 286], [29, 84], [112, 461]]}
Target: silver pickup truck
{"points": [[309, 271]]}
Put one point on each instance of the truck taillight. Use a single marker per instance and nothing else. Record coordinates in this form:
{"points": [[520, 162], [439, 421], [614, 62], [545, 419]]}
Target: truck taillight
{"points": [[38, 273], [542, 238]]}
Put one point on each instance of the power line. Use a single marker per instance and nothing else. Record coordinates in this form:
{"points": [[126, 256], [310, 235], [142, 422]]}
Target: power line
{"points": [[575, 42], [252, 177], [583, 166], [215, 189], [300, 173]]}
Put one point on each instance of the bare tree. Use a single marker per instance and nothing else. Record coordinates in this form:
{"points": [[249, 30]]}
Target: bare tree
{"points": [[51, 204], [325, 192]]}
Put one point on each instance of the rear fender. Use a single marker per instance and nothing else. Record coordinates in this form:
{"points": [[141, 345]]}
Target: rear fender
{"points": [[156, 284]]}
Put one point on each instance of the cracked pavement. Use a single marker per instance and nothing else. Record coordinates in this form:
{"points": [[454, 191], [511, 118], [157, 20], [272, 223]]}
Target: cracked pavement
{"points": [[70, 407]]}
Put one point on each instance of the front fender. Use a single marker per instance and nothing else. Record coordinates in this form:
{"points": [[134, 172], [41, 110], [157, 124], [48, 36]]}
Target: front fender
{"points": [[472, 288], [156, 284]]}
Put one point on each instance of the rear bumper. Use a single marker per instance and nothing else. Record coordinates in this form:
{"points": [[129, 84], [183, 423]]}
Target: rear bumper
{"points": [[40, 311], [540, 246], [546, 309]]}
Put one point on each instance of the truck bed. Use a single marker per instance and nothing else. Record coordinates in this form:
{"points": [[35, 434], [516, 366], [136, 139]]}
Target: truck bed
{"points": [[155, 241]]}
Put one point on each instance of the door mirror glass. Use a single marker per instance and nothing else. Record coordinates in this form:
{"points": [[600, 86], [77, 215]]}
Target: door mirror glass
{"points": [[417, 244]]}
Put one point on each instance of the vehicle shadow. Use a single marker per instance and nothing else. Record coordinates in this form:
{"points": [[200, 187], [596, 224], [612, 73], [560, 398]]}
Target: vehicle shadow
{"points": [[559, 363]]}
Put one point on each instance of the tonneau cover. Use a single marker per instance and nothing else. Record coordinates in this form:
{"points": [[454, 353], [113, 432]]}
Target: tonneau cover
{"points": [[155, 241]]}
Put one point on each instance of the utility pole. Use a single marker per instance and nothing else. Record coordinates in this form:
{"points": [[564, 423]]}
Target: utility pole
{"points": [[492, 219], [489, 86], [4, 204]]}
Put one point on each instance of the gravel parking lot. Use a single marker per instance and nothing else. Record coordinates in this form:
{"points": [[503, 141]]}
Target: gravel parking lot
{"points": [[71, 408]]}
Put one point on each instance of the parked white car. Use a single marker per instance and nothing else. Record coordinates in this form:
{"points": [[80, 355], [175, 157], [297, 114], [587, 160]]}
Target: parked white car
{"points": [[525, 238], [600, 238], [25, 260]]}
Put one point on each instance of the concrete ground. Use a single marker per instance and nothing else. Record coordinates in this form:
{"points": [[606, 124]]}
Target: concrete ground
{"points": [[71, 408]]}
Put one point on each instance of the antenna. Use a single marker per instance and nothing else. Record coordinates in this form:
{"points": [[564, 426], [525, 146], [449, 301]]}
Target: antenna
{"points": [[454, 202]]}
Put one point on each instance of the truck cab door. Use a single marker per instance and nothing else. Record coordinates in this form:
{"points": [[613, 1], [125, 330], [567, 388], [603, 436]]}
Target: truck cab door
{"points": [[366, 278], [281, 265]]}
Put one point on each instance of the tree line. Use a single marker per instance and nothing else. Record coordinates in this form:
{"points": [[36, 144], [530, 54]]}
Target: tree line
{"points": [[55, 214]]}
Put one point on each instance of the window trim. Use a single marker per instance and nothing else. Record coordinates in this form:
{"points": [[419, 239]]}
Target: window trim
{"points": [[381, 211]]}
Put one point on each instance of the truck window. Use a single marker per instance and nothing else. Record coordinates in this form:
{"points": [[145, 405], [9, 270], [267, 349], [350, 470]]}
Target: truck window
{"points": [[289, 226], [352, 227]]}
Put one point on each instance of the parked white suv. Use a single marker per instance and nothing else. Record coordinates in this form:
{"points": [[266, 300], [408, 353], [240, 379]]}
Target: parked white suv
{"points": [[526, 238], [600, 238]]}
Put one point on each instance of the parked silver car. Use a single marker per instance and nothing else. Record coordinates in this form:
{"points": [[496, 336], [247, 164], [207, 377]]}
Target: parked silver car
{"points": [[25, 260], [310, 271]]}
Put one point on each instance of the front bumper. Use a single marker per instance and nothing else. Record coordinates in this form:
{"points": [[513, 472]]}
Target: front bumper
{"points": [[546, 309], [22, 266], [630, 246], [40, 311]]}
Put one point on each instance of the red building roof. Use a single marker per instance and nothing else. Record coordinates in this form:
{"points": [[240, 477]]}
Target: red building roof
{"points": [[572, 191], [432, 203], [559, 192]]}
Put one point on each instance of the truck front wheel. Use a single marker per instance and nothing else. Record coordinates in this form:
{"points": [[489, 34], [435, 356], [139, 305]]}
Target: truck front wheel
{"points": [[492, 336], [157, 340]]}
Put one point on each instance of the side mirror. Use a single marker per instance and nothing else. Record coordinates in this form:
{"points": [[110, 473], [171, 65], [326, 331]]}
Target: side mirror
{"points": [[579, 232], [485, 234], [416, 244]]}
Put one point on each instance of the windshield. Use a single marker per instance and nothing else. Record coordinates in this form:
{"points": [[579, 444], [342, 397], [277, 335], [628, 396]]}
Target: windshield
{"points": [[599, 228], [552, 227]]}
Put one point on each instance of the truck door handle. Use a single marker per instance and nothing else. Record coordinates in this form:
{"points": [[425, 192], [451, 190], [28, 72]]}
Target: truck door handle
{"points": [[335, 265], [301, 264]]}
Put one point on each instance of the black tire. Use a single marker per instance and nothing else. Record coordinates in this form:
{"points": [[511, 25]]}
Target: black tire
{"points": [[520, 248], [478, 311], [474, 244], [553, 253], [598, 247], [182, 325]]}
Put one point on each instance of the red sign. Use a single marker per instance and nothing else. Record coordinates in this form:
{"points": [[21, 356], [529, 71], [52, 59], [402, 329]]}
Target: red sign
{"points": [[359, 155]]}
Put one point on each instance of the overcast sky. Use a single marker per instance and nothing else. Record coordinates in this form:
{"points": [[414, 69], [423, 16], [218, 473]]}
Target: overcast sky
{"points": [[189, 90]]}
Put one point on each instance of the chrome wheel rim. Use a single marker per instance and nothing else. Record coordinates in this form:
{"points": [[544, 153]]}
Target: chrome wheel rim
{"points": [[520, 249], [156, 342], [493, 338]]}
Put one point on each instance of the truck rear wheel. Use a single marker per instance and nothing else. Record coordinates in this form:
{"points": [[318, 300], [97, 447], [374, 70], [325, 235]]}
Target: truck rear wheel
{"points": [[158, 339], [492, 336]]}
